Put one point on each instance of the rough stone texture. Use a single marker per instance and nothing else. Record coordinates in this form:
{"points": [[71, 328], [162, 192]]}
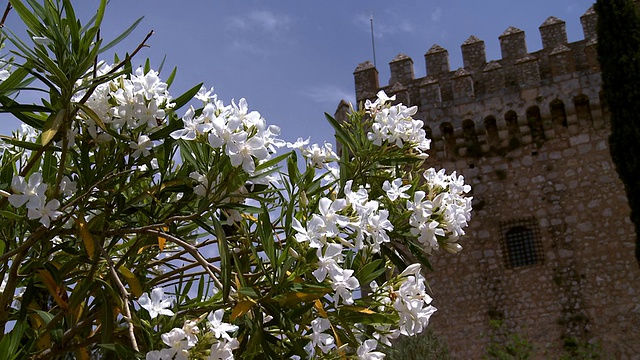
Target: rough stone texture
{"points": [[542, 133]]}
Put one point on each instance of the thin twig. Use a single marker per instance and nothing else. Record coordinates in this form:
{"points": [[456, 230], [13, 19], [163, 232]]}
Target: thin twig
{"points": [[193, 251], [4, 16], [115, 69], [125, 294]]}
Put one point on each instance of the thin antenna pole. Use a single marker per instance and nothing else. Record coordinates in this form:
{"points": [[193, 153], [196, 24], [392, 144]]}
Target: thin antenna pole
{"points": [[373, 43]]}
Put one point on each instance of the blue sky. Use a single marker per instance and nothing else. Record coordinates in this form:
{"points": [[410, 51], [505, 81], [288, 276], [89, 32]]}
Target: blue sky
{"points": [[293, 60]]}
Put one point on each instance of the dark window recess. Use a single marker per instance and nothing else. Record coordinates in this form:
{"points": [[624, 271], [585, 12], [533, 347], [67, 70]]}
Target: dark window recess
{"points": [[521, 244]]}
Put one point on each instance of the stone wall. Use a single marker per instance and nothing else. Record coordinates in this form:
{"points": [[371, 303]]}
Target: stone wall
{"points": [[549, 251]]}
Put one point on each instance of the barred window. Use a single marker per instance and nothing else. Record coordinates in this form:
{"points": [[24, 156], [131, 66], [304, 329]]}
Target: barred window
{"points": [[521, 244]]}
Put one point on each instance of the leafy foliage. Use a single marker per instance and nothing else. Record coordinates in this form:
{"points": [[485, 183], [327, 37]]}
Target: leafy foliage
{"points": [[137, 224], [618, 57]]}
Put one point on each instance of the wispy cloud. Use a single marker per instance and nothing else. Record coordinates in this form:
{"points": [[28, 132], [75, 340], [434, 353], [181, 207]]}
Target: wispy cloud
{"points": [[387, 25], [250, 48], [261, 20], [436, 14], [329, 94]]}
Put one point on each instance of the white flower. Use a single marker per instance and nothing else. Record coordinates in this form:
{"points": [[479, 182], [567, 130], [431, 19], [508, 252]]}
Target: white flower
{"points": [[218, 327], [223, 349], [157, 304], [190, 129], [366, 351], [41, 40], [4, 75], [314, 232], [191, 332], [31, 193], [343, 283], [143, 146], [203, 183], [179, 347], [67, 186], [45, 213], [319, 339], [204, 94], [298, 144], [328, 263], [395, 189]]}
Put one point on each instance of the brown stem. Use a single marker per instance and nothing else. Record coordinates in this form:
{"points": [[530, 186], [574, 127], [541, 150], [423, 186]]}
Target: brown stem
{"points": [[193, 251], [4, 16], [125, 294]]}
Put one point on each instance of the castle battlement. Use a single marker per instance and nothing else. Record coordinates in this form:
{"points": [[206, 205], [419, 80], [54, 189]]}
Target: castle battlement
{"points": [[556, 82], [549, 250]]}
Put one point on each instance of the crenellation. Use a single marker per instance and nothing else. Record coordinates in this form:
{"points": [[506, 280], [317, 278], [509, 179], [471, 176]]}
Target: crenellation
{"points": [[514, 90], [494, 77], [562, 61], [437, 61], [401, 69], [430, 94], [527, 71], [512, 45], [462, 84], [553, 32], [366, 79], [474, 55], [589, 23], [591, 54]]}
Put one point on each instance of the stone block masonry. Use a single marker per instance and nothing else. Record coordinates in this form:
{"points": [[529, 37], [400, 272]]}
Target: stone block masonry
{"points": [[549, 251]]}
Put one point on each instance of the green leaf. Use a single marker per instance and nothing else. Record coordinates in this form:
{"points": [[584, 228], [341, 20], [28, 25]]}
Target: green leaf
{"points": [[225, 261], [183, 99], [171, 77], [27, 16], [371, 271], [10, 215], [15, 81], [120, 37]]}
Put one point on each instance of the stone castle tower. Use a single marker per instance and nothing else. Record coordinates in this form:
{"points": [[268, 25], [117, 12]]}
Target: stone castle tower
{"points": [[549, 252]]}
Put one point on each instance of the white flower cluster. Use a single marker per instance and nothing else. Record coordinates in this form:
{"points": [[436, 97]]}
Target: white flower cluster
{"points": [[442, 212], [409, 298], [32, 195], [243, 134], [128, 105], [395, 125], [180, 340]]}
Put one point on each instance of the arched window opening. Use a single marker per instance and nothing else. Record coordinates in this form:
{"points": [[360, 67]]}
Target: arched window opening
{"points": [[491, 127], [471, 138], [521, 243], [449, 139], [428, 132], [534, 120], [515, 138], [583, 110], [558, 114]]}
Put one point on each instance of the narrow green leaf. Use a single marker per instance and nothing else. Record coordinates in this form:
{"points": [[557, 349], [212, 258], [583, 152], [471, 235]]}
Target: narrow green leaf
{"points": [[10, 215], [14, 82], [171, 77], [120, 37], [183, 99], [370, 271]]}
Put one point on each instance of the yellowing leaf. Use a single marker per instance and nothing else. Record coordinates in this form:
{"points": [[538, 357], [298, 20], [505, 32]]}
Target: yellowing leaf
{"points": [[52, 125], [241, 308], [161, 242], [58, 293], [132, 280], [359, 309], [85, 235], [320, 308]]}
